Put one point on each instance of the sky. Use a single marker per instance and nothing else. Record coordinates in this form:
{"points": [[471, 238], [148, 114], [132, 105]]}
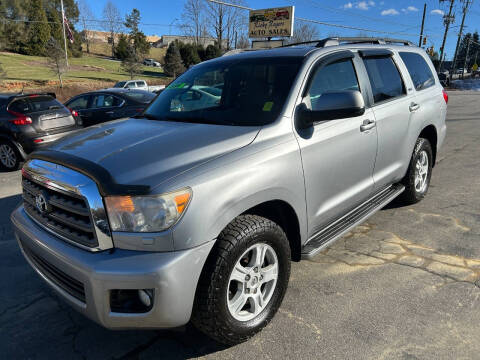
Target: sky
{"points": [[404, 17]]}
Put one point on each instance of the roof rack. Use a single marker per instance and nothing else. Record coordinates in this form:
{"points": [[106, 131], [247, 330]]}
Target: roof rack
{"points": [[333, 41]]}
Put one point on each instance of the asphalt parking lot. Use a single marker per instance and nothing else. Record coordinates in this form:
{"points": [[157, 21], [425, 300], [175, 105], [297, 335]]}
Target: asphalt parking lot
{"points": [[405, 285]]}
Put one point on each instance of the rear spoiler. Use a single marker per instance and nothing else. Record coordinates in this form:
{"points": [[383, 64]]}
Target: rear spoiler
{"points": [[52, 94]]}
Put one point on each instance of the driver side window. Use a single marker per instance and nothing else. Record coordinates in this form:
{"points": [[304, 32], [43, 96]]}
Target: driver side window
{"points": [[337, 76]]}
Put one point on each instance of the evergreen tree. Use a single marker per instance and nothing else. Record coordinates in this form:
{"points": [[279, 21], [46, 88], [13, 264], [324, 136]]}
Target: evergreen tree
{"points": [[189, 54], [173, 65], [38, 31], [56, 30], [211, 52], [122, 49], [137, 38]]}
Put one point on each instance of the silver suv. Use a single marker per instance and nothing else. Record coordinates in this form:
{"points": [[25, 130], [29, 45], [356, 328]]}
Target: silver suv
{"points": [[194, 210]]}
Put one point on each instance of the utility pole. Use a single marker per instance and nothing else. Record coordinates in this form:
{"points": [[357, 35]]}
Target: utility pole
{"points": [[64, 34], [465, 9], [466, 56], [423, 23], [447, 20]]}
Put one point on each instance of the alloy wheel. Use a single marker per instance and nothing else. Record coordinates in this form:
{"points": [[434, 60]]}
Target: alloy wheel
{"points": [[8, 158], [252, 282], [421, 172]]}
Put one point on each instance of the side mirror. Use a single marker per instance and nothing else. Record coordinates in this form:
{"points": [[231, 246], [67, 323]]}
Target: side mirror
{"points": [[331, 106]]}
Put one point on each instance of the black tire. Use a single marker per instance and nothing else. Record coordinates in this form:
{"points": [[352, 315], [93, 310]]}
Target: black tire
{"points": [[411, 195], [210, 313], [7, 146]]}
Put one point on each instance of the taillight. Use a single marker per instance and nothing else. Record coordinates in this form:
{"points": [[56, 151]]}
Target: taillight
{"points": [[20, 119], [445, 96], [139, 110], [74, 112]]}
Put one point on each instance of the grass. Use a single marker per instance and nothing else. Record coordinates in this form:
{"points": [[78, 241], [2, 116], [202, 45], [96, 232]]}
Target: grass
{"points": [[32, 71]]}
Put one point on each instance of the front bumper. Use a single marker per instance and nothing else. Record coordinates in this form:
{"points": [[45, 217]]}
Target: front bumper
{"points": [[172, 275]]}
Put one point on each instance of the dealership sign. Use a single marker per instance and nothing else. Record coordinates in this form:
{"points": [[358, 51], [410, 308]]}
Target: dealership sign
{"points": [[266, 23]]}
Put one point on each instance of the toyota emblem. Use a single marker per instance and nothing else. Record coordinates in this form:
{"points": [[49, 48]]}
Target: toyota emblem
{"points": [[41, 202]]}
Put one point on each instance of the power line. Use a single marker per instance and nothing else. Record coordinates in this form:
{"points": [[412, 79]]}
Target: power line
{"points": [[323, 22]]}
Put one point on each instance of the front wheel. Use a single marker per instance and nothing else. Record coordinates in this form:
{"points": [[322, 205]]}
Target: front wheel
{"points": [[417, 179], [244, 280]]}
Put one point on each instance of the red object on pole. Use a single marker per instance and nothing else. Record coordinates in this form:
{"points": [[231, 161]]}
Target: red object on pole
{"points": [[67, 29]]}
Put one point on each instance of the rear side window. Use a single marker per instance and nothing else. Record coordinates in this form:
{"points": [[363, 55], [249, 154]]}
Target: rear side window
{"points": [[384, 78], [419, 70], [35, 104], [140, 84], [105, 100], [79, 103], [337, 76]]}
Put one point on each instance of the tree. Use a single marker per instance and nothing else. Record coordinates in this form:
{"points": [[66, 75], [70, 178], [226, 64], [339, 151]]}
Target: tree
{"points": [[225, 21], [55, 22], [242, 42], [304, 32], [212, 52], [472, 50], [173, 65], [112, 22], [85, 15], [193, 17], [137, 38], [13, 33], [56, 58], [189, 54], [38, 30], [130, 64], [122, 49]]}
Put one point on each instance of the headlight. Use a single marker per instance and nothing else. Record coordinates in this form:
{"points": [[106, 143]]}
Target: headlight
{"points": [[149, 213]]}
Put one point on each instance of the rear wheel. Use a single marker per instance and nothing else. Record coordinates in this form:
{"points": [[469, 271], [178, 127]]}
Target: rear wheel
{"points": [[244, 280], [417, 179], [10, 158]]}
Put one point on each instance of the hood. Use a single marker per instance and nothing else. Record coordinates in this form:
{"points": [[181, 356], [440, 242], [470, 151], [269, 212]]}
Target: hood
{"points": [[149, 152]]}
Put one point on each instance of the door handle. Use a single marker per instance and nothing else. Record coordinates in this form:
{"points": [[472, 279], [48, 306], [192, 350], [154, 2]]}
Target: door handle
{"points": [[367, 125], [414, 107], [109, 113]]}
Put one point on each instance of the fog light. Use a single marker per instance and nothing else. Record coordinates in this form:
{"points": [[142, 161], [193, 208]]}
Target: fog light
{"points": [[146, 297], [131, 300]]}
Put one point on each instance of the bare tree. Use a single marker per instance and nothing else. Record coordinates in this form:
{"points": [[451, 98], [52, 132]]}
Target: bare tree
{"points": [[85, 17], [223, 20], [304, 32], [193, 17], [242, 41], [56, 59], [113, 22], [236, 23]]}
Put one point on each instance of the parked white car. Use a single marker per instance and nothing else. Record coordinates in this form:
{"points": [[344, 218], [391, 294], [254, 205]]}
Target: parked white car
{"points": [[151, 62], [138, 85]]}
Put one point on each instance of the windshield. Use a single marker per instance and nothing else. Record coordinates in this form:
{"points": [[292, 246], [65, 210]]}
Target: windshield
{"points": [[245, 92], [120, 84]]}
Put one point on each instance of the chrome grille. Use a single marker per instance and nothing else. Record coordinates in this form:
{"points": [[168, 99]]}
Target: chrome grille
{"points": [[66, 203], [67, 215]]}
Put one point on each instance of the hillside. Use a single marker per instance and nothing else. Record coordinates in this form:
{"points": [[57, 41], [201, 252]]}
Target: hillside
{"points": [[32, 72]]}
